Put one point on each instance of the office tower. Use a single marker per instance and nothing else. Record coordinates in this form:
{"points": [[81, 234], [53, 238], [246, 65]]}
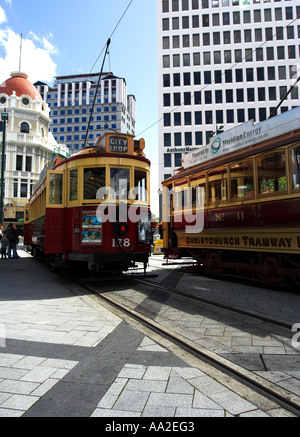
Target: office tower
{"points": [[71, 99], [222, 63]]}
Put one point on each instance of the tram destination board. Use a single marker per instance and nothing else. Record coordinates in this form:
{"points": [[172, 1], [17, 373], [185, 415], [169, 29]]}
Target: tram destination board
{"points": [[118, 144]]}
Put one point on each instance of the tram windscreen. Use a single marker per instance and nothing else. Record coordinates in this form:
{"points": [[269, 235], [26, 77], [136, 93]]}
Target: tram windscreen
{"points": [[119, 183], [94, 178]]}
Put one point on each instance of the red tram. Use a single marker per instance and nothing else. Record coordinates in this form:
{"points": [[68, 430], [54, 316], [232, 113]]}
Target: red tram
{"points": [[94, 207], [246, 184]]}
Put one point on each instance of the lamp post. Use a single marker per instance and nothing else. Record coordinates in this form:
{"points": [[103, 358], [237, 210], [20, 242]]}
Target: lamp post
{"points": [[4, 120]]}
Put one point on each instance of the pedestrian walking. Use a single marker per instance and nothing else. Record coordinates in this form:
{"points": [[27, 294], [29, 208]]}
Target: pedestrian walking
{"points": [[4, 245], [12, 236]]}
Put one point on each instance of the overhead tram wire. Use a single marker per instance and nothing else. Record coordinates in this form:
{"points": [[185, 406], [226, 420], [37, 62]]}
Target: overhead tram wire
{"points": [[114, 30], [98, 84], [106, 48], [224, 72]]}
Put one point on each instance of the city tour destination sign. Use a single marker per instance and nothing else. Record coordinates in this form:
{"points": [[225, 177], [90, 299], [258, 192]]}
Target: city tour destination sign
{"points": [[244, 135]]}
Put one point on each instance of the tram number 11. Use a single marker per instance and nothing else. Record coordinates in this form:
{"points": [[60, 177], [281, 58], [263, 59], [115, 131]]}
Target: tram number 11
{"points": [[123, 242]]}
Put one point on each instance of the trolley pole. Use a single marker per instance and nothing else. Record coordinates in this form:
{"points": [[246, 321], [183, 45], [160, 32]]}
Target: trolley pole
{"points": [[4, 120]]}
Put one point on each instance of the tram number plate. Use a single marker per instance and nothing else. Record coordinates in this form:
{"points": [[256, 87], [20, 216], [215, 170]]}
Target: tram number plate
{"points": [[123, 242], [118, 144]]}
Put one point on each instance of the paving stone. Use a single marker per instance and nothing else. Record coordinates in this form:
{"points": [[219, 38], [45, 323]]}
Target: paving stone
{"points": [[204, 402], [151, 411], [131, 401], [100, 412], [20, 402], [146, 385], [232, 402], [39, 374], [158, 373], [176, 384], [6, 412], [193, 412], [18, 387], [170, 400]]}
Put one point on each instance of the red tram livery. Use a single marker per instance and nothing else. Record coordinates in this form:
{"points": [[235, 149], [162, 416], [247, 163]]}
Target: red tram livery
{"points": [[247, 184], [93, 207]]}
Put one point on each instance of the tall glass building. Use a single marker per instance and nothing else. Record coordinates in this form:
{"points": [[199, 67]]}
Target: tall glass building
{"points": [[71, 99], [221, 63]]}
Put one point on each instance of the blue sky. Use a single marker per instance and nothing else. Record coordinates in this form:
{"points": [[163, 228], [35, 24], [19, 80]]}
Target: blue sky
{"points": [[63, 37]]}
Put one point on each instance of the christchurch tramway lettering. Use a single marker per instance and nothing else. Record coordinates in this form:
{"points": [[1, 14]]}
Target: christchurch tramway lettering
{"points": [[244, 240]]}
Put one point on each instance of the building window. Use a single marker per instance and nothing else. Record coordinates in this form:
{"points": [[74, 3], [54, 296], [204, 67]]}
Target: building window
{"points": [[167, 160], [19, 163], [28, 163], [24, 128], [23, 188]]}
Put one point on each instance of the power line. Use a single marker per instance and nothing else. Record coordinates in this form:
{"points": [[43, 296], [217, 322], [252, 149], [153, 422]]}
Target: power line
{"points": [[105, 47], [114, 30]]}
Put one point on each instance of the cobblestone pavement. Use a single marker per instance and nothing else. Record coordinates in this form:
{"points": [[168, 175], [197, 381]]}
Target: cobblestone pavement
{"points": [[62, 354]]}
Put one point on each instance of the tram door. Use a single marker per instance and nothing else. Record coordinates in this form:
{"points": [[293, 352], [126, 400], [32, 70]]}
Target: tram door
{"points": [[168, 217], [55, 209]]}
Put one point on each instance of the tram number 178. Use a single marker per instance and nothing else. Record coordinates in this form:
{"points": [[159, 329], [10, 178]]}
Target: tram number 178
{"points": [[123, 242]]}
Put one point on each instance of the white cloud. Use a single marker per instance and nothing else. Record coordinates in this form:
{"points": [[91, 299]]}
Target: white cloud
{"points": [[2, 15], [35, 61], [49, 46]]}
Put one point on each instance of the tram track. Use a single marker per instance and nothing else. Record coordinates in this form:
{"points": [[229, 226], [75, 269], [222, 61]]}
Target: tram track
{"points": [[268, 389]]}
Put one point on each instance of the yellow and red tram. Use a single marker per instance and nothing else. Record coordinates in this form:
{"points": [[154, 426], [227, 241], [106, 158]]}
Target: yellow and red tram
{"points": [[247, 189], [94, 207]]}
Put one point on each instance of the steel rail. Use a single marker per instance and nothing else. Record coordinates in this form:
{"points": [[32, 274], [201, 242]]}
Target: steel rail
{"points": [[285, 399]]}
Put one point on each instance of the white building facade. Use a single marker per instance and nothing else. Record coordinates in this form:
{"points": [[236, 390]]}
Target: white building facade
{"points": [[29, 145], [71, 99], [222, 63]]}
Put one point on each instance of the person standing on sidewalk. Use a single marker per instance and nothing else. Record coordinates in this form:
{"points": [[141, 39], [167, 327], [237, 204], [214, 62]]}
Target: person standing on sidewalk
{"points": [[4, 244], [12, 236]]}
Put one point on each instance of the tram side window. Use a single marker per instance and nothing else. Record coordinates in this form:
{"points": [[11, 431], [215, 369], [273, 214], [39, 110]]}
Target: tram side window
{"points": [[94, 179], [140, 185], [242, 182], [217, 185], [198, 195], [295, 159], [73, 185], [181, 198], [55, 189], [119, 183], [272, 173]]}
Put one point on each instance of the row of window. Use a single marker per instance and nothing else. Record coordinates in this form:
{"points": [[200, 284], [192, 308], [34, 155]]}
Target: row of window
{"points": [[226, 19], [227, 37], [241, 95], [237, 75], [76, 102], [266, 175], [63, 138], [82, 111], [185, 5], [23, 163], [260, 94], [95, 179], [22, 188], [83, 120], [77, 94], [248, 55]]}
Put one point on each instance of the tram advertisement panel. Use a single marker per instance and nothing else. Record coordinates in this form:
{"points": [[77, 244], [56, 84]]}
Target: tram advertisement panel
{"points": [[91, 228]]}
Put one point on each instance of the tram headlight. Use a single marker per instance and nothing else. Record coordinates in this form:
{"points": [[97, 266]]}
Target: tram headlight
{"points": [[121, 228]]}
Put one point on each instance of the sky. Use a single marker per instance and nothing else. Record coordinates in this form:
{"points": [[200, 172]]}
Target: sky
{"points": [[61, 37]]}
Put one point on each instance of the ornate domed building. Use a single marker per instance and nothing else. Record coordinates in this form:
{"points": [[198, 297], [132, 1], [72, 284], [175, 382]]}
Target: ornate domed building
{"points": [[29, 143]]}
